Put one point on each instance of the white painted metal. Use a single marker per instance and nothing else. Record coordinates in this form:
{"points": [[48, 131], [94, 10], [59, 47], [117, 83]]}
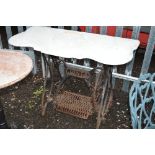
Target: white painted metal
{"points": [[126, 77], [115, 75], [72, 44], [81, 67]]}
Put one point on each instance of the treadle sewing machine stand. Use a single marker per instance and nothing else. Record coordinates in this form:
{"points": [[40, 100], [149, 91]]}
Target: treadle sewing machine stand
{"points": [[75, 104], [73, 44]]}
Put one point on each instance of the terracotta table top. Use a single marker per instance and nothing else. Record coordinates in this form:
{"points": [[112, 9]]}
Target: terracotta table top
{"points": [[14, 66]]}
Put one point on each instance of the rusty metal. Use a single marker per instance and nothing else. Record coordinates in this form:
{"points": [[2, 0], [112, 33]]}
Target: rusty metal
{"points": [[106, 94], [99, 85], [44, 99], [74, 104], [77, 73]]}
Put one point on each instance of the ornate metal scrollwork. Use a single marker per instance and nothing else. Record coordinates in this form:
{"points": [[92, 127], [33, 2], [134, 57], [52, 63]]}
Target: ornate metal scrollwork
{"points": [[142, 102]]}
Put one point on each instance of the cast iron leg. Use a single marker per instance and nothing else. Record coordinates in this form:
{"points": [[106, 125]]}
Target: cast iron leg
{"points": [[106, 96], [46, 98], [102, 104]]}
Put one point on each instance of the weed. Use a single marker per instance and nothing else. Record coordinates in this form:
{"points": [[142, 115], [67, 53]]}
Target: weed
{"points": [[38, 92], [31, 104]]}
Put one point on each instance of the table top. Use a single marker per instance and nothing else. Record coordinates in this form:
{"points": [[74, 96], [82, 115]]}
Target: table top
{"points": [[14, 66], [73, 44]]}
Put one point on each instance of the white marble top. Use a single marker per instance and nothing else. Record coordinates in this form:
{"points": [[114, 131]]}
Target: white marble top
{"points": [[73, 44], [14, 66]]}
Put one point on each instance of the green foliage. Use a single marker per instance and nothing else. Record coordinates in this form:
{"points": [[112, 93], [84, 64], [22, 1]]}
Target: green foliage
{"points": [[30, 104], [38, 92]]}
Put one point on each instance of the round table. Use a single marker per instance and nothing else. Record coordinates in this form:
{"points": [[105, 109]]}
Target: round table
{"points": [[14, 66], [104, 49]]}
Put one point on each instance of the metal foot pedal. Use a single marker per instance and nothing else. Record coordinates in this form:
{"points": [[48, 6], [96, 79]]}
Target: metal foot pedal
{"points": [[74, 104]]}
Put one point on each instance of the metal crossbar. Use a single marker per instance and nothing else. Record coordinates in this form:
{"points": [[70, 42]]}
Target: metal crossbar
{"points": [[115, 75]]}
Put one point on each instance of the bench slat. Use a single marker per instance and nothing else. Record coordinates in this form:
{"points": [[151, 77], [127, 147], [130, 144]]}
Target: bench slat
{"points": [[87, 61], [129, 66], [149, 51], [60, 27], [103, 29], [119, 31], [1, 45], [21, 29], [74, 28], [9, 34], [31, 53]]}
